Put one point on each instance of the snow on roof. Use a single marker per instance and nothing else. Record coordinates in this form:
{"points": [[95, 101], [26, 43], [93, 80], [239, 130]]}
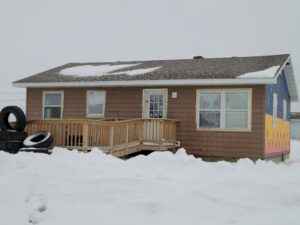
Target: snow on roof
{"points": [[138, 71], [267, 73], [107, 69], [179, 69], [91, 70]]}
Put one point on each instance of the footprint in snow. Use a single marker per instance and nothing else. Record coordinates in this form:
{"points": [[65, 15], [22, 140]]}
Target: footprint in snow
{"points": [[37, 206]]}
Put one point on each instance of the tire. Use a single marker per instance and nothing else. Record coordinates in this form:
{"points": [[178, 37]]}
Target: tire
{"points": [[11, 146], [20, 118], [35, 150], [12, 136], [39, 140]]}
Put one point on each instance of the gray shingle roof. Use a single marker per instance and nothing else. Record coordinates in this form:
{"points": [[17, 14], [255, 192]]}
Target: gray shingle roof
{"points": [[211, 68]]}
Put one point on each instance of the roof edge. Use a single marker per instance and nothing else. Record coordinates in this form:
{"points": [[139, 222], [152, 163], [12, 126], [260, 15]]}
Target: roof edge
{"points": [[290, 78], [185, 82], [282, 67]]}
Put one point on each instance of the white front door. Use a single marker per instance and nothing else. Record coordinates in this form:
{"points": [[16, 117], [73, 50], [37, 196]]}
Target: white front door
{"points": [[155, 103]]}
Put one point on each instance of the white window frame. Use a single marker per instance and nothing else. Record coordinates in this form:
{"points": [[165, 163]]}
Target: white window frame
{"points": [[275, 109], [284, 110], [223, 109], [102, 115], [61, 106]]}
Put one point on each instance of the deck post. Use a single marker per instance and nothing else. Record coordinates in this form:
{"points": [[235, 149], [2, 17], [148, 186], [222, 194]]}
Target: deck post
{"points": [[85, 137], [141, 129], [174, 135], [161, 133], [111, 138], [127, 138]]}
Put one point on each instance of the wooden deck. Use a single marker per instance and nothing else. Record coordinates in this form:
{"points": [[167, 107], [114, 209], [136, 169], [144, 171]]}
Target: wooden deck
{"points": [[119, 138]]}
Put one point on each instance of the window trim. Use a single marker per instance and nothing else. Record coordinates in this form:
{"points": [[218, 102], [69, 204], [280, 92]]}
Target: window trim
{"points": [[275, 115], [61, 106], [223, 109], [89, 115]]}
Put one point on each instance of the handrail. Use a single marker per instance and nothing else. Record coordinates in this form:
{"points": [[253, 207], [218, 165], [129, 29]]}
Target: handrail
{"points": [[83, 121]]}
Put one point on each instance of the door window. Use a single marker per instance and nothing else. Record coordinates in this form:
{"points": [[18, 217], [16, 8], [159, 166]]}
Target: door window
{"points": [[155, 103], [156, 106]]}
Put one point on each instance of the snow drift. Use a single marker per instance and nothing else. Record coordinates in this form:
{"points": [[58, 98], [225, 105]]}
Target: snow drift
{"points": [[69, 187]]}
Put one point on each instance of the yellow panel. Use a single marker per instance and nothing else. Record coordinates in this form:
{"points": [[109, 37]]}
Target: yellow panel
{"points": [[277, 139]]}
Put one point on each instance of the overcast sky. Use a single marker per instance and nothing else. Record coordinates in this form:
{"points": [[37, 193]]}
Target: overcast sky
{"points": [[36, 35]]}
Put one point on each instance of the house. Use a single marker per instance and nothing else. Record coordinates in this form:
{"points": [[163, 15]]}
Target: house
{"points": [[224, 107], [295, 125]]}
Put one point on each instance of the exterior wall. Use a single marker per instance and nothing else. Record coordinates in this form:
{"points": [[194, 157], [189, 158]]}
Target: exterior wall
{"points": [[126, 102], [277, 139], [120, 102]]}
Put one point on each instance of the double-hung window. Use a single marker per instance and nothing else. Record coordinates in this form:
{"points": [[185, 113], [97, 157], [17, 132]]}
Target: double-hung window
{"points": [[224, 109], [96, 103], [53, 105]]}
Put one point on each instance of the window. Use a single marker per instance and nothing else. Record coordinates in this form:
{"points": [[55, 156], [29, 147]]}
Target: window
{"points": [[236, 116], [224, 109], [274, 109], [284, 110], [156, 106], [96, 103], [210, 110], [52, 105]]}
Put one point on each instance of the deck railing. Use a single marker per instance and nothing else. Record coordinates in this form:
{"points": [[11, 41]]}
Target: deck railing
{"points": [[112, 136]]}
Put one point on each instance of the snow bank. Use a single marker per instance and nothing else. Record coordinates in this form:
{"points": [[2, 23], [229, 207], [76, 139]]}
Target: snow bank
{"points": [[267, 73], [69, 187]]}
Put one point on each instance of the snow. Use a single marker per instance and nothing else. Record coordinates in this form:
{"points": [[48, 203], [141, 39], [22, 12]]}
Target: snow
{"points": [[139, 71], [267, 73], [69, 187], [90, 70]]}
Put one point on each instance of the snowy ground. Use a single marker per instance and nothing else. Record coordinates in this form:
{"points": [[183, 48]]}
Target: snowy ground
{"points": [[71, 188]]}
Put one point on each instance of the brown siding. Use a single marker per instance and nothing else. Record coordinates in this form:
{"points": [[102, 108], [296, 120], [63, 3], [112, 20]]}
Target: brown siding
{"points": [[34, 103], [216, 143], [126, 102]]}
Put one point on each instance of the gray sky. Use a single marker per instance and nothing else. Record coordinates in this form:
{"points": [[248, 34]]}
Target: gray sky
{"points": [[36, 35]]}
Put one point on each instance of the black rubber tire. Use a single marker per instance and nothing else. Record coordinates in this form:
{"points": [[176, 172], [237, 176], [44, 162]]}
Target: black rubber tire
{"points": [[11, 146], [39, 140], [12, 135], [18, 113]]}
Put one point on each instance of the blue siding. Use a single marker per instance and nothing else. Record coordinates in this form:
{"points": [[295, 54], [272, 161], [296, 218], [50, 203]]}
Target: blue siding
{"points": [[282, 92]]}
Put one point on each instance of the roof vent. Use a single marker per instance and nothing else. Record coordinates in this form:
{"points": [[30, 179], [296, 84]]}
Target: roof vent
{"points": [[198, 57]]}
